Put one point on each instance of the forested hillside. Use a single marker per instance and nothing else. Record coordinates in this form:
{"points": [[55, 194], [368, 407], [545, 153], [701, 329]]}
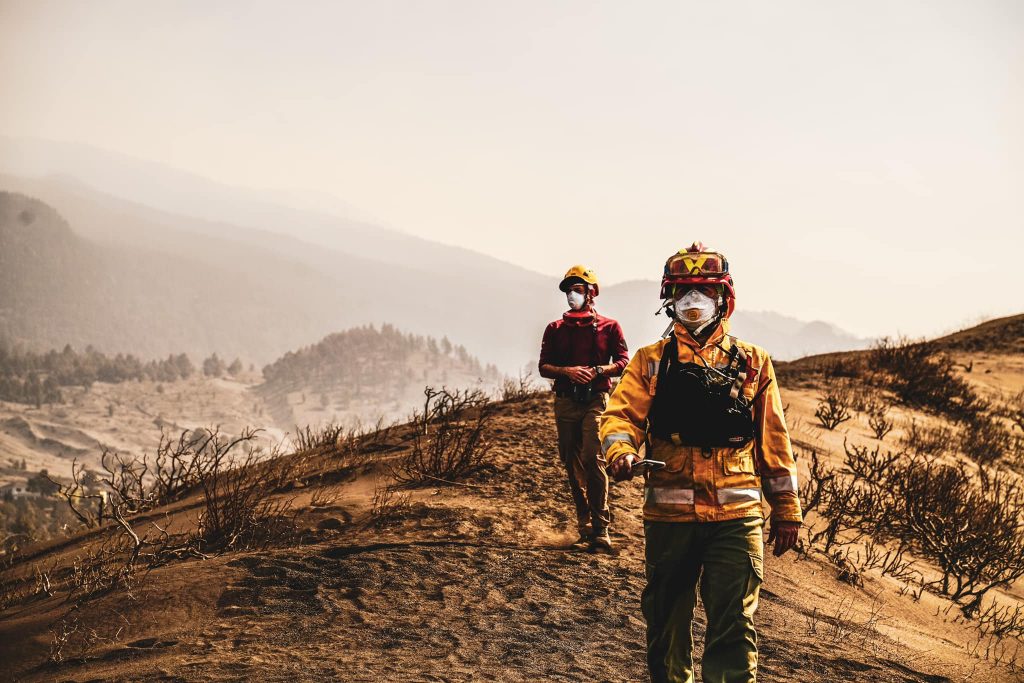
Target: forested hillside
{"points": [[373, 372], [37, 378]]}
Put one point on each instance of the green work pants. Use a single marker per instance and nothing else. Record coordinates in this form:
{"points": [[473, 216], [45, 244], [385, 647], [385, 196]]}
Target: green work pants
{"points": [[580, 451], [724, 561]]}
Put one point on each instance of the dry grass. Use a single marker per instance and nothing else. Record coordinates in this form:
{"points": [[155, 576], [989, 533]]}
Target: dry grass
{"points": [[389, 505]]}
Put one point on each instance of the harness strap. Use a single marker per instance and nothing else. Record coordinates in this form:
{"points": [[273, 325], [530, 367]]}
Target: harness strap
{"points": [[741, 376], [760, 391], [668, 354]]}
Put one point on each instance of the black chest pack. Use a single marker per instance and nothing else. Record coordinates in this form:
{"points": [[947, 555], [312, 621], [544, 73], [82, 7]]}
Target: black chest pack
{"points": [[701, 406]]}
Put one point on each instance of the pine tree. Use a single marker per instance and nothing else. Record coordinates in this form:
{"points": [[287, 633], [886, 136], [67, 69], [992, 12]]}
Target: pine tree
{"points": [[213, 366]]}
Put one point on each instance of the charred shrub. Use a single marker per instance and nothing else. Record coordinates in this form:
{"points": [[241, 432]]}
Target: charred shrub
{"points": [[863, 398], [834, 408], [515, 389], [236, 477], [326, 439], [237, 480], [850, 505], [809, 372], [345, 446], [239, 508], [182, 464], [923, 378], [450, 441], [926, 441], [879, 422], [969, 524], [985, 440], [1014, 411], [841, 367], [130, 485], [818, 485]]}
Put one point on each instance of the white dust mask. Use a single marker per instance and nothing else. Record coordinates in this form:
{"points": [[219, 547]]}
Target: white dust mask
{"points": [[695, 309], [576, 300]]}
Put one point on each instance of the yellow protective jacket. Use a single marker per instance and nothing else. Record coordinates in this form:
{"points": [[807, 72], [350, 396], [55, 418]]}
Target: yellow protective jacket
{"points": [[714, 484]]}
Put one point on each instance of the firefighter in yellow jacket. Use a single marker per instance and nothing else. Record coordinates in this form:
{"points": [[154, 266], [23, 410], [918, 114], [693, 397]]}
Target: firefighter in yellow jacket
{"points": [[708, 406]]}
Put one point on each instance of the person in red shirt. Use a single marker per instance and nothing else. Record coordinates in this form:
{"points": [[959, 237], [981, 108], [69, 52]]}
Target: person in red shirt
{"points": [[581, 352]]}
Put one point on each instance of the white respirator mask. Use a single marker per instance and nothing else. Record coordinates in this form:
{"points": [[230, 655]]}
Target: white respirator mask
{"points": [[576, 300], [695, 310]]}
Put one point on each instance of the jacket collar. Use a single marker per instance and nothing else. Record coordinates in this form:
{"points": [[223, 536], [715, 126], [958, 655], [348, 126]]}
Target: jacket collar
{"points": [[580, 318], [683, 335]]}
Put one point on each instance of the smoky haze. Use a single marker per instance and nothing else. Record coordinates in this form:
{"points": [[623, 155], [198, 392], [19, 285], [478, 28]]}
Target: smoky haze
{"points": [[860, 164], [273, 276]]}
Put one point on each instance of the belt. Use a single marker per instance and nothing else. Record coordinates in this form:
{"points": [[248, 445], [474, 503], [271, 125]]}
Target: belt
{"points": [[561, 393]]}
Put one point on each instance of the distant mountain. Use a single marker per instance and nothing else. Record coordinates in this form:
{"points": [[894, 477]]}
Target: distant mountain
{"points": [[194, 203], [266, 293], [57, 288], [633, 304], [188, 264]]}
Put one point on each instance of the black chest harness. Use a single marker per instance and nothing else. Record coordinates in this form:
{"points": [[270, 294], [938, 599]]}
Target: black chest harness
{"points": [[701, 406]]}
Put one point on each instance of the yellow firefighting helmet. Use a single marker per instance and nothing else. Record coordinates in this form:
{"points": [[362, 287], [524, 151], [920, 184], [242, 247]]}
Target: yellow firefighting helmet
{"points": [[579, 274]]}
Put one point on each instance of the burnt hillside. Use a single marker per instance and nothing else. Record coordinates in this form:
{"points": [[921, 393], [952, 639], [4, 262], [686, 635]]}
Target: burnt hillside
{"points": [[343, 561]]}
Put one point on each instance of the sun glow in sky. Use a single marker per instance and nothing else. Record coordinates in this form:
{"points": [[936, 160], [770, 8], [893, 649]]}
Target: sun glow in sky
{"points": [[860, 163]]}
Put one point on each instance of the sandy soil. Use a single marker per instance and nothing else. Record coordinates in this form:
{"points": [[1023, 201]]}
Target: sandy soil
{"points": [[472, 583]]}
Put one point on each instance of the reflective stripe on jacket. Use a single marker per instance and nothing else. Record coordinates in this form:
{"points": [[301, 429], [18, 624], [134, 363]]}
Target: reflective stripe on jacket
{"points": [[714, 484]]}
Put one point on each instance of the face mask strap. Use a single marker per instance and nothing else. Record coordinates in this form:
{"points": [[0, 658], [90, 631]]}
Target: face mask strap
{"points": [[698, 330]]}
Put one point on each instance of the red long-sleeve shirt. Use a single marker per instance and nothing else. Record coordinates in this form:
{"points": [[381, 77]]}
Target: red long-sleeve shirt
{"points": [[570, 341]]}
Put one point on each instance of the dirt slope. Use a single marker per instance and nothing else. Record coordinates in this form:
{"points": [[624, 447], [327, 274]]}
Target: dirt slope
{"points": [[470, 583]]}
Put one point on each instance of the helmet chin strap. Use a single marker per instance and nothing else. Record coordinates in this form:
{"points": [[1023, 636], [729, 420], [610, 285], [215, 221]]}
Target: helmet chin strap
{"points": [[697, 331]]}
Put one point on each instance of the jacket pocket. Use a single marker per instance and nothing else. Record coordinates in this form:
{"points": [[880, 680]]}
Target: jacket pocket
{"points": [[738, 463], [676, 458]]}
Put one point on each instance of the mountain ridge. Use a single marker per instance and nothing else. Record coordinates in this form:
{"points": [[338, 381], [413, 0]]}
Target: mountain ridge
{"points": [[353, 283]]}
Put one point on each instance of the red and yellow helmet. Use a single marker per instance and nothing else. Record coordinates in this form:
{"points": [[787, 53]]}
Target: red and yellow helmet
{"points": [[698, 265], [579, 274]]}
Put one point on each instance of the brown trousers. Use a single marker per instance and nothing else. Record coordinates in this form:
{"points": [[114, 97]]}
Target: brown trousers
{"points": [[580, 450]]}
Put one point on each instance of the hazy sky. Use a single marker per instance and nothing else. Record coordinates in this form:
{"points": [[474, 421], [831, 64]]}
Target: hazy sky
{"points": [[859, 162]]}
